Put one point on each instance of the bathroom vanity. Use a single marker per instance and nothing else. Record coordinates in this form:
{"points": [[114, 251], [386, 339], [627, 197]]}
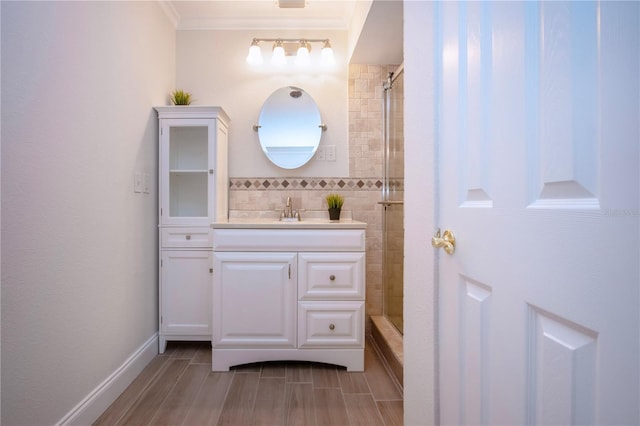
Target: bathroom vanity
{"points": [[288, 291]]}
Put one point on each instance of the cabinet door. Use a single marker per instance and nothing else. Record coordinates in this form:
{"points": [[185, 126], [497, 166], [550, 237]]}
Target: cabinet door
{"points": [[185, 292], [186, 152], [254, 300]]}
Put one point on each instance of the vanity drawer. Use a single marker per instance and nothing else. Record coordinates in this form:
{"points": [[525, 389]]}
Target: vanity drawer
{"points": [[186, 237], [330, 324], [331, 276]]}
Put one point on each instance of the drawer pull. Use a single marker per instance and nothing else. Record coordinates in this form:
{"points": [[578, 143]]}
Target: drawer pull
{"points": [[332, 277], [332, 327], [188, 237]]}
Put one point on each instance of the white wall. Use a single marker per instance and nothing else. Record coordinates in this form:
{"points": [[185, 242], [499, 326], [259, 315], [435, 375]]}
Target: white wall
{"points": [[212, 66], [79, 248]]}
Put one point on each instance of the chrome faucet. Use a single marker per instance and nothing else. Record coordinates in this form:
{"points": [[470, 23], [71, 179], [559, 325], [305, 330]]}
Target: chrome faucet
{"points": [[288, 212]]}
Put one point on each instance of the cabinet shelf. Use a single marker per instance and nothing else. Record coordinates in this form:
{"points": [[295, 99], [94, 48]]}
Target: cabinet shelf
{"points": [[187, 171]]}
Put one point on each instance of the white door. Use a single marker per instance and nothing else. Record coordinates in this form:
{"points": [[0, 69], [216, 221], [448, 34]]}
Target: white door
{"points": [[538, 164]]}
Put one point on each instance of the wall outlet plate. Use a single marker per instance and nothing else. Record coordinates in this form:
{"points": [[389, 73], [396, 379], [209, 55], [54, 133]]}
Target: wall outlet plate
{"points": [[330, 153]]}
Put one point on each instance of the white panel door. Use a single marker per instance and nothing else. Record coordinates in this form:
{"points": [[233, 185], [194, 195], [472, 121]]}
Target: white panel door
{"points": [[538, 165]]}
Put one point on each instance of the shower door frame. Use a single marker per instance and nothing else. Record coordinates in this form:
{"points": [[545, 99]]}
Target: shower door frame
{"points": [[391, 204]]}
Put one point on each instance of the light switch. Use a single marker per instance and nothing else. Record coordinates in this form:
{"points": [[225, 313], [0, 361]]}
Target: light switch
{"points": [[320, 154], [137, 182], [146, 178]]}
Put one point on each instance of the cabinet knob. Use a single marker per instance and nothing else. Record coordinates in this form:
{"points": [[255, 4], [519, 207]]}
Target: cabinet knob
{"points": [[332, 326], [188, 237], [211, 270], [332, 277]]}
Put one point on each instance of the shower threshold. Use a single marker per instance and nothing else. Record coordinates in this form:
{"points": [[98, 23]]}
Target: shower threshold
{"points": [[389, 342]]}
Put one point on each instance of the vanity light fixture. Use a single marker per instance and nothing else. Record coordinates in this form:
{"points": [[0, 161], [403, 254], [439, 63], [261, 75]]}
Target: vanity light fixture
{"points": [[283, 47], [327, 54], [285, 4], [302, 57], [255, 55], [278, 57]]}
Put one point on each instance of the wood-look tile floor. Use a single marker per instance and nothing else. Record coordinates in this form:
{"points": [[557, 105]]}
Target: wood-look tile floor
{"points": [[179, 388]]}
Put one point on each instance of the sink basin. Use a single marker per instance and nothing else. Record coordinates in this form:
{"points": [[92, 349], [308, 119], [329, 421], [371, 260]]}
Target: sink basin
{"points": [[304, 221], [289, 219]]}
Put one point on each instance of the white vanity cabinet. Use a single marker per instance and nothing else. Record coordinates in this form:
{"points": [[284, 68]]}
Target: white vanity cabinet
{"points": [[193, 193], [288, 293]]}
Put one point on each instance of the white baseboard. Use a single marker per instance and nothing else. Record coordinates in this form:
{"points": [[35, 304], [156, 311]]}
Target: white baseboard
{"points": [[98, 400]]}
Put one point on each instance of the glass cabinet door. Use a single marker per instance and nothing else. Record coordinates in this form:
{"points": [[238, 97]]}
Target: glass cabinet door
{"points": [[186, 145], [188, 171]]}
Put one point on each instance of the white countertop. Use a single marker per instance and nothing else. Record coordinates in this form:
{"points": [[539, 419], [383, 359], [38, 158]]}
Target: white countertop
{"points": [[313, 219]]}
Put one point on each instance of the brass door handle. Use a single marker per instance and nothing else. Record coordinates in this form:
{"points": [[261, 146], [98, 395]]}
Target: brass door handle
{"points": [[448, 241]]}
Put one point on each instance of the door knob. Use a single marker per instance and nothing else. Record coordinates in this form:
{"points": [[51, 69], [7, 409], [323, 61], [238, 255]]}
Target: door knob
{"points": [[447, 240]]}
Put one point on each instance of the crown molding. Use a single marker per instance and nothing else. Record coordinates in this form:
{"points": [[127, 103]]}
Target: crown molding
{"points": [[261, 24], [170, 12]]}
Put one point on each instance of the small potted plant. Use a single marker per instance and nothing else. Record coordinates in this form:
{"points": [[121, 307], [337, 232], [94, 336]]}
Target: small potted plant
{"points": [[180, 97], [334, 202]]}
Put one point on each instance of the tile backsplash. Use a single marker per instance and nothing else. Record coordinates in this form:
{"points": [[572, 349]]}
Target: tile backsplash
{"points": [[332, 184], [362, 190]]}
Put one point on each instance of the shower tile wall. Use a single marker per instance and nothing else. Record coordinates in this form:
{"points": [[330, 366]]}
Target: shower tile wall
{"points": [[393, 296], [361, 189]]}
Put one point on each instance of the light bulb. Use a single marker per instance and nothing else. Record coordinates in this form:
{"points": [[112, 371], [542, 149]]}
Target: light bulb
{"points": [[278, 57], [326, 56], [302, 57], [255, 54]]}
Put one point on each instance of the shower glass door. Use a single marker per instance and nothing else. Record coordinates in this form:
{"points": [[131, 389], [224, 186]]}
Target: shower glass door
{"points": [[393, 199]]}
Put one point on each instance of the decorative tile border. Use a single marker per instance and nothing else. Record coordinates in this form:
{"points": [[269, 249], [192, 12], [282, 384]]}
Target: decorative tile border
{"points": [[306, 183]]}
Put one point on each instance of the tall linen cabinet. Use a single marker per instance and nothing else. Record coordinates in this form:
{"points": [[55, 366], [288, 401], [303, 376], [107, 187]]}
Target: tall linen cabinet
{"points": [[194, 192]]}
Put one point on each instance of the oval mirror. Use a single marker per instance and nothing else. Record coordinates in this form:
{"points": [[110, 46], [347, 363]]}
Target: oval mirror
{"points": [[289, 127]]}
